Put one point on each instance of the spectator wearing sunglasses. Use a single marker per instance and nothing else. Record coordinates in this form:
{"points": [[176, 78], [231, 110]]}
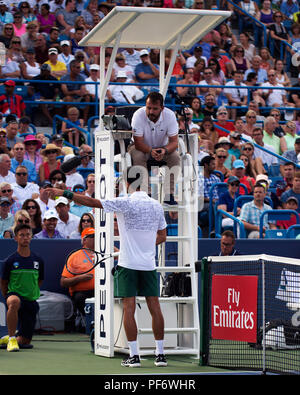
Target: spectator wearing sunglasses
{"points": [[221, 156], [50, 153], [6, 218], [21, 217], [7, 191], [7, 35], [86, 221], [76, 208], [34, 211], [22, 189]]}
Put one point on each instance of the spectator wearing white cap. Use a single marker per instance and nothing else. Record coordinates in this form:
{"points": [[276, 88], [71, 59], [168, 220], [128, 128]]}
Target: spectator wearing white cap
{"points": [[65, 56], [49, 231], [67, 221], [58, 69], [94, 77], [124, 93], [146, 71]]}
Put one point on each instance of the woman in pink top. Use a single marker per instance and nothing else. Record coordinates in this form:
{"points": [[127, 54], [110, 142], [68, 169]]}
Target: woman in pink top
{"points": [[19, 26]]}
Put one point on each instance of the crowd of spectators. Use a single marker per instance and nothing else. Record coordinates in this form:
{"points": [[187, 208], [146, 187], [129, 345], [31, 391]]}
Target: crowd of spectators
{"points": [[232, 122]]}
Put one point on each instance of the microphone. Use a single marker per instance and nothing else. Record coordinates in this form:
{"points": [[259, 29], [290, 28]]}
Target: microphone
{"points": [[72, 163]]}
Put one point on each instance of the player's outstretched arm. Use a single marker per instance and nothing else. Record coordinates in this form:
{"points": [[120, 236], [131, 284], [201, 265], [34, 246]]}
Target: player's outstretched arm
{"points": [[77, 198]]}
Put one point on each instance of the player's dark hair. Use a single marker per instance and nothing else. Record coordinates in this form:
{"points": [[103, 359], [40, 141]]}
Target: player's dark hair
{"points": [[20, 227]]}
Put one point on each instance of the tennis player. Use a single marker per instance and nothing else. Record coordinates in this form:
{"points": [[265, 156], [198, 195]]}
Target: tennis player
{"points": [[142, 226]]}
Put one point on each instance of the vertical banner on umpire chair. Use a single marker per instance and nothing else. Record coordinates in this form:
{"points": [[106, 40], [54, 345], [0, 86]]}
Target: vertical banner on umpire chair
{"points": [[104, 189]]}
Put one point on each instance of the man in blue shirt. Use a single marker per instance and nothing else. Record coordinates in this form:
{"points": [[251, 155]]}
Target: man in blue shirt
{"points": [[75, 92], [18, 160], [5, 16], [146, 71], [205, 182], [261, 73]]}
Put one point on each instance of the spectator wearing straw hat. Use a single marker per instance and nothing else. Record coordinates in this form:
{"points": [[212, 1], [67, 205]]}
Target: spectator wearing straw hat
{"points": [[50, 153]]}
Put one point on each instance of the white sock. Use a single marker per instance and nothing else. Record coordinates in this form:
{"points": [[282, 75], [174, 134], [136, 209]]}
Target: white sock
{"points": [[133, 348], [159, 347]]}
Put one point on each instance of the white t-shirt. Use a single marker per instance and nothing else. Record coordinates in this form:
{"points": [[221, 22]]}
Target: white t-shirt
{"points": [[131, 92], [139, 218], [91, 88], [43, 206], [73, 179], [10, 178], [236, 93], [21, 194], [155, 134], [66, 229], [132, 59], [127, 69], [190, 62], [276, 95]]}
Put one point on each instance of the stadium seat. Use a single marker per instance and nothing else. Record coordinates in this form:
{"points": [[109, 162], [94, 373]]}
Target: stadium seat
{"points": [[293, 231], [276, 215], [84, 171], [219, 174], [275, 234], [221, 187]]}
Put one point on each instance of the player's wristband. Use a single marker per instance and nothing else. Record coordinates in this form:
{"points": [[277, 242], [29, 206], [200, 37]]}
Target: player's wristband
{"points": [[166, 153], [68, 194]]}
